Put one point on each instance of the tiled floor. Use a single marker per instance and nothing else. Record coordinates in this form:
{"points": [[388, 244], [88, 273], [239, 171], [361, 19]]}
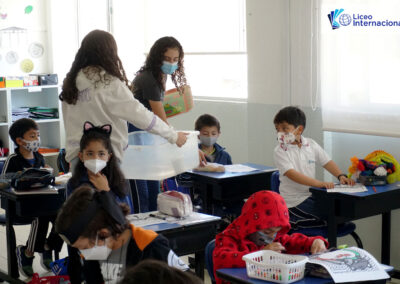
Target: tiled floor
{"points": [[22, 233]]}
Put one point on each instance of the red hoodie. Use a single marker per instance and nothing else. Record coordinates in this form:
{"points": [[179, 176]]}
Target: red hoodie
{"points": [[263, 210]]}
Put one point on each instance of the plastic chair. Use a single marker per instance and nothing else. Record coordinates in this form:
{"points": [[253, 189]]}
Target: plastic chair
{"points": [[342, 229], [209, 259]]}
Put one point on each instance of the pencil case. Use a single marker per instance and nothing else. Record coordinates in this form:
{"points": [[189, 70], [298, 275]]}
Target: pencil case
{"points": [[174, 203]]}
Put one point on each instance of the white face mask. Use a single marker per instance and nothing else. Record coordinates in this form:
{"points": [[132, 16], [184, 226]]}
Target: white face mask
{"points": [[95, 165], [32, 146], [96, 252], [286, 138]]}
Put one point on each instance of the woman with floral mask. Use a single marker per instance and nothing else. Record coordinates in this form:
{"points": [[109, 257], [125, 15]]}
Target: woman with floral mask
{"points": [[94, 223]]}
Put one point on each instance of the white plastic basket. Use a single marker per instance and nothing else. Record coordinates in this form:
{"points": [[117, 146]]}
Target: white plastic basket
{"points": [[275, 267]]}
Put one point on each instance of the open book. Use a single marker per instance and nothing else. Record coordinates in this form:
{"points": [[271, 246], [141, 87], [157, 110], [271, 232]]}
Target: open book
{"points": [[346, 265]]}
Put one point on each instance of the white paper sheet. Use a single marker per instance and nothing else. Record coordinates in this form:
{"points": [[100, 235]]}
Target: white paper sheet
{"points": [[239, 168], [358, 187], [350, 265]]}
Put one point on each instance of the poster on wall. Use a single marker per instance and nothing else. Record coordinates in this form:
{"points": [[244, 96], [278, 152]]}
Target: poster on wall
{"points": [[23, 37]]}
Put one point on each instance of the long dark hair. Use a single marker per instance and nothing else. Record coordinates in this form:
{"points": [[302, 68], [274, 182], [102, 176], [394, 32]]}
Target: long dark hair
{"points": [[112, 171], [99, 52], [155, 59]]}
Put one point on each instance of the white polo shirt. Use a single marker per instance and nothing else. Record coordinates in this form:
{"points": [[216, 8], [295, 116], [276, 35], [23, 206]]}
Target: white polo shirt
{"points": [[303, 160]]}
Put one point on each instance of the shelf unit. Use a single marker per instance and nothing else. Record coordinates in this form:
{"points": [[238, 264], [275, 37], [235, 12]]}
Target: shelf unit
{"points": [[51, 130]]}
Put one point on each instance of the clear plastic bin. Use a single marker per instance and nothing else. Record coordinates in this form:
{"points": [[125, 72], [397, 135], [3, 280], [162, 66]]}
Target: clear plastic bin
{"points": [[151, 157]]}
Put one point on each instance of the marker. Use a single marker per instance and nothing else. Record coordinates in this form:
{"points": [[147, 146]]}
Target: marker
{"points": [[373, 187], [158, 217]]}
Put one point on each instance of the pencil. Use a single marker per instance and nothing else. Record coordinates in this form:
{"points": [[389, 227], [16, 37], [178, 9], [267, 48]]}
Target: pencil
{"points": [[373, 187]]}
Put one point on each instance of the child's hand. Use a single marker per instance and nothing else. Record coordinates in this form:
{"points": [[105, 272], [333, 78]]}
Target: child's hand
{"points": [[317, 246], [202, 158], [326, 185], [181, 139], [99, 181], [275, 246], [346, 180]]}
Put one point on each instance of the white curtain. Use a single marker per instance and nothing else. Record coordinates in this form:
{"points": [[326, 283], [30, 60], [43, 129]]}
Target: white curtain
{"points": [[359, 68]]}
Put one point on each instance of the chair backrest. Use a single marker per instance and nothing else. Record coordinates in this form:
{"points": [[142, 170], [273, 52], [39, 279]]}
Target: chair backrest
{"points": [[209, 259], [1, 166], [275, 181]]}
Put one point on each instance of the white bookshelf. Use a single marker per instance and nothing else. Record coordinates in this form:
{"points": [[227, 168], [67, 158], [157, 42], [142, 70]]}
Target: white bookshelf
{"points": [[51, 130]]}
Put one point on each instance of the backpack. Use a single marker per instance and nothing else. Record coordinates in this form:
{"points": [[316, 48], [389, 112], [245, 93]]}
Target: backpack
{"points": [[32, 179]]}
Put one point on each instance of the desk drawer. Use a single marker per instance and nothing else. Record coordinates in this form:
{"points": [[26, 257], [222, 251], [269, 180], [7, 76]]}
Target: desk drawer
{"points": [[190, 240]]}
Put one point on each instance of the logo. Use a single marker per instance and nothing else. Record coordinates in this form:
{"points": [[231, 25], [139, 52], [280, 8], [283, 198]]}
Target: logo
{"points": [[337, 19]]}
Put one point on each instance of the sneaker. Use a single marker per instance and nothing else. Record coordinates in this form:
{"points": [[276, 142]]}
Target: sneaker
{"points": [[24, 262], [46, 259]]}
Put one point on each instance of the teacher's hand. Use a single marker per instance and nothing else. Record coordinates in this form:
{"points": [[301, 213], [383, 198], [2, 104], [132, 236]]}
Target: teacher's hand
{"points": [[181, 139]]}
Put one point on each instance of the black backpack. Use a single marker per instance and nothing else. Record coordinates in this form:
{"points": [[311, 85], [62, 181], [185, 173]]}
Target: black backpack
{"points": [[32, 179]]}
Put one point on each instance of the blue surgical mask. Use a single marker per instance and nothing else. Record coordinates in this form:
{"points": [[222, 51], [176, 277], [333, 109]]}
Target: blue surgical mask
{"points": [[169, 68]]}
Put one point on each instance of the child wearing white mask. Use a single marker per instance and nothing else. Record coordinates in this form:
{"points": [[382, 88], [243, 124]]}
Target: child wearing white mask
{"points": [[99, 168], [296, 157], [95, 224]]}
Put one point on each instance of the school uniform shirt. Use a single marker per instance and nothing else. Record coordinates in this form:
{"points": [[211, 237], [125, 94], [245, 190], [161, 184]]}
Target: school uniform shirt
{"points": [[146, 87], [108, 103], [219, 156], [303, 160], [144, 244], [16, 162], [263, 210]]}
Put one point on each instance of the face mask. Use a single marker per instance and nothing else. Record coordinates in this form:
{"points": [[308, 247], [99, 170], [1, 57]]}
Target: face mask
{"points": [[96, 252], [168, 68], [261, 239], [32, 146], [208, 141], [286, 138], [95, 165]]}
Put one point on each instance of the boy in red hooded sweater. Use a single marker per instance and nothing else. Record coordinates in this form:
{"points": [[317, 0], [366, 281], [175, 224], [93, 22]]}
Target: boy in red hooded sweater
{"points": [[263, 224]]}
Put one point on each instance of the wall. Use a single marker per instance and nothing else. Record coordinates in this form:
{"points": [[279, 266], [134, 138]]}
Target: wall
{"points": [[23, 37]]}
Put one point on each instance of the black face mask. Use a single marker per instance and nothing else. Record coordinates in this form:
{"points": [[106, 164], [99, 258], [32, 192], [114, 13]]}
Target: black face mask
{"points": [[261, 239]]}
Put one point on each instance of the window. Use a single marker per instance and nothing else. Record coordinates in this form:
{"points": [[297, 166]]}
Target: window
{"points": [[212, 34], [359, 82]]}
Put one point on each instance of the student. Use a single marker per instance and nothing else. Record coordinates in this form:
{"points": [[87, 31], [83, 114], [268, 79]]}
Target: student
{"points": [[262, 225], [152, 271], [96, 90], [97, 167], [25, 135], [93, 222], [296, 158], [165, 58], [210, 130]]}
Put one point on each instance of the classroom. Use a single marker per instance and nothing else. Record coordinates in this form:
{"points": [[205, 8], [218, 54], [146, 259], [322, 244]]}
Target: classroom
{"points": [[244, 60]]}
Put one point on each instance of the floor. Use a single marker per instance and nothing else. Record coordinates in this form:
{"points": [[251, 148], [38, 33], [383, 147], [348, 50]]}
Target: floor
{"points": [[22, 233]]}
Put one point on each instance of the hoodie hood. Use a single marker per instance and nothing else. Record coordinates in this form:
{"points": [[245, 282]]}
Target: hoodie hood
{"points": [[263, 210]]}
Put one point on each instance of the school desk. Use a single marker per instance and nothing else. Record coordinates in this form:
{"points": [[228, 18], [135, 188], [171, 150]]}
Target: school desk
{"points": [[343, 207], [215, 187], [239, 276], [186, 235], [25, 206]]}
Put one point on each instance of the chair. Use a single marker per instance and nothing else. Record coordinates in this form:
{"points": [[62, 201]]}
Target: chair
{"points": [[209, 259], [342, 229]]}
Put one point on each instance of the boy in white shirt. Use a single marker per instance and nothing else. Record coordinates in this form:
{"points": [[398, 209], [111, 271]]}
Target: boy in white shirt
{"points": [[296, 157]]}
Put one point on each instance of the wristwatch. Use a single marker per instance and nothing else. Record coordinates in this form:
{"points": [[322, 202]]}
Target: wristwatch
{"points": [[344, 175]]}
